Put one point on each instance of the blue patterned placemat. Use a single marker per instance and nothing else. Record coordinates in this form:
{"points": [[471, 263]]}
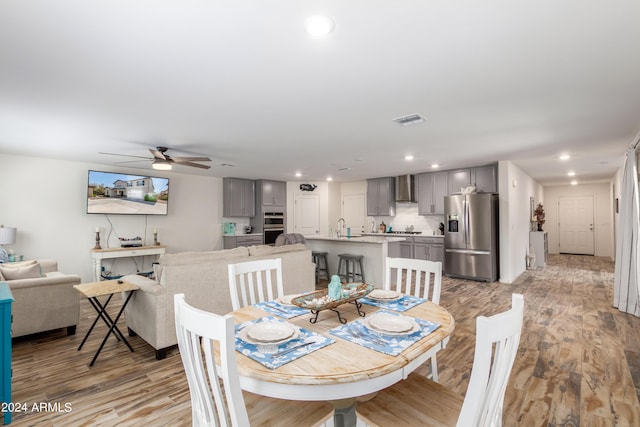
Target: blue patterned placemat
{"points": [[403, 303], [392, 345], [272, 355], [282, 310]]}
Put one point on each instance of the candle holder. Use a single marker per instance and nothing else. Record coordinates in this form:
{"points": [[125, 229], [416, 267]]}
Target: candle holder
{"points": [[97, 241], [155, 239]]}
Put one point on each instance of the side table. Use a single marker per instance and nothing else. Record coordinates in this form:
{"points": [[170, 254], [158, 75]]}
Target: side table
{"points": [[105, 288]]}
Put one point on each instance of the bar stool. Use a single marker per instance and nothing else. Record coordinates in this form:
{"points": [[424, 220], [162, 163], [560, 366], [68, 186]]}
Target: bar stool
{"points": [[350, 262], [322, 266]]}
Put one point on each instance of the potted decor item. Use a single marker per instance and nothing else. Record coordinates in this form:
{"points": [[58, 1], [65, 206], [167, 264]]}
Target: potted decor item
{"points": [[539, 215]]}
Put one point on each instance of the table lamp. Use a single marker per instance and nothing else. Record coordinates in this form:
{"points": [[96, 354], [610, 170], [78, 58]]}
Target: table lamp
{"points": [[7, 237]]}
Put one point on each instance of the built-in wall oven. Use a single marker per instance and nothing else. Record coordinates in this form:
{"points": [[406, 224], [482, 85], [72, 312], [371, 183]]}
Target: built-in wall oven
{"points": [[273, 226]]}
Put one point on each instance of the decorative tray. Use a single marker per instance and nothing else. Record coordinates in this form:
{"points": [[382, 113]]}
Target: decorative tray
{"points": [[319, 300]]}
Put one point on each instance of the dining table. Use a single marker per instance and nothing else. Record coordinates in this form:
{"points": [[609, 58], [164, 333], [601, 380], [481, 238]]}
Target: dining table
{"points": [[343, 367]]}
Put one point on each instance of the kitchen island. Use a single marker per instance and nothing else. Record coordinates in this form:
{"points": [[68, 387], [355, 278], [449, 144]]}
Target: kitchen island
{"points": [[375, 250]]}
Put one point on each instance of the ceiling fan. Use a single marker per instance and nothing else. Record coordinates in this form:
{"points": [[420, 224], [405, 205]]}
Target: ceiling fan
{"points": [[163, 161]]}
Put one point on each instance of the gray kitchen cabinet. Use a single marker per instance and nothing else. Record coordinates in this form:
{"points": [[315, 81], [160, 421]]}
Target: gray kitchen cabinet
{"points": [[406, 249], [381, 197], [272, 194], [485, 178], [436, 252], [232, 242], [458, 179], [238, 197], [428, 248], [431, 190]]}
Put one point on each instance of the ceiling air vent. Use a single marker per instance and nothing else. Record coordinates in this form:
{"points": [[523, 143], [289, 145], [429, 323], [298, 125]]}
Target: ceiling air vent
{"points": [[409, 120]]}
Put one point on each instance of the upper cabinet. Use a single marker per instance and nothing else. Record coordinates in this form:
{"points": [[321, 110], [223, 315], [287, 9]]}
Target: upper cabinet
{"points": [[431, 190], [458, 179], [381, 194], [238, 197], [272, 194], [484, 178]]}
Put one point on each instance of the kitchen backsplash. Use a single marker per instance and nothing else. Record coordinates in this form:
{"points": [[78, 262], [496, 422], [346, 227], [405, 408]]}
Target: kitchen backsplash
{"points": [[407, 215]]}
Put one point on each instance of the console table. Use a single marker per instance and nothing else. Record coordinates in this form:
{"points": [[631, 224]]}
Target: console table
{"points": [[100, 254]]}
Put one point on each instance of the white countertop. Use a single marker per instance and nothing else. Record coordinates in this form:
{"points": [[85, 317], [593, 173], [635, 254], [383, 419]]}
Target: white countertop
{"points": [[242, 234], [404, 235], [389, 238]]}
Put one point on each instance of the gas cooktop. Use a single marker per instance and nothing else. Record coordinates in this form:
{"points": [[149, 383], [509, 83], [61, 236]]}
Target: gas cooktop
{"points": [[404, 232]]}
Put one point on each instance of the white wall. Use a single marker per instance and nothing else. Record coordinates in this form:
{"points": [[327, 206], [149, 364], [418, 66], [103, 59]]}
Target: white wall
{"points": [[603, 215], [516, 189], [46, 200]]}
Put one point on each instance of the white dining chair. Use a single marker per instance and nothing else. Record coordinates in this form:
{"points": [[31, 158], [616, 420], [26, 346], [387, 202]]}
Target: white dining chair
{"points": [[416, 277], [418, 401], [252, 282], [216, 396], [420, 278]]}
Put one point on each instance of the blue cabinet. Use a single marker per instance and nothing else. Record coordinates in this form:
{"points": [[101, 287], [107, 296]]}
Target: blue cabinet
{"points": [[6, 298]]}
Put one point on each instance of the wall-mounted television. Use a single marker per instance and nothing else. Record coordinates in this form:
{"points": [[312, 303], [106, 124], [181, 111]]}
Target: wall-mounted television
{"points": [[126, 194]]}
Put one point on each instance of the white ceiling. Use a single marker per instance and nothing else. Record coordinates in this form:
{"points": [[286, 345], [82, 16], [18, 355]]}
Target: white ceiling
{"points": [[240, 81]]}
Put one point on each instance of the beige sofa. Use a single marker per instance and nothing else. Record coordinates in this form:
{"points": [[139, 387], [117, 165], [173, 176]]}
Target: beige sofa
{"points": [[44, 298], [203, 278]]}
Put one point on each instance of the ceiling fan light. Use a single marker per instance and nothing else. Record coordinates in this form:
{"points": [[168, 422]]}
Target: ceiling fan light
{"points": [[161, 165]]}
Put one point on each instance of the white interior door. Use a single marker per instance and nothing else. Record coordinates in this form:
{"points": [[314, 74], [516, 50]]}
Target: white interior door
{"points": [[354, 213], [576, 225], [306, 216]]}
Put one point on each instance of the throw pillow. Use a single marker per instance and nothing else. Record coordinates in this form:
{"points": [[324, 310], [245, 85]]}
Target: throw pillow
{"points": [[19, 264], [15, 273]]}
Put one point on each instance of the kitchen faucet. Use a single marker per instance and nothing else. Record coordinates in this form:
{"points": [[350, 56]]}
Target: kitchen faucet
{"points": [[339, 230]]}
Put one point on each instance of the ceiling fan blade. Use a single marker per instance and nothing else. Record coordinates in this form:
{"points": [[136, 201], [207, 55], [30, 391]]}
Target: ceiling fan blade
{"points": [[158, 154], [190, 159], [131, 161], [125, 155], [195, 165]]}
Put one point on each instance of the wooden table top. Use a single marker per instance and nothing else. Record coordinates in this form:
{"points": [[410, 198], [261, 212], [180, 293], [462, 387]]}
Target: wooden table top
{"points": [[104, 287], [343, 362]]}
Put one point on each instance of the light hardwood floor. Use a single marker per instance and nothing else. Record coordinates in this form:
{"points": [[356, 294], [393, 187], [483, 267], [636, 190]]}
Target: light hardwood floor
{"points": [[578, 364]]}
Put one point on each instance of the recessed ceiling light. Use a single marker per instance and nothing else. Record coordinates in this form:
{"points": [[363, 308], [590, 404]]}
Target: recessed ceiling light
{"points": [[408, 157], [298, 174], [571, 173], [329, 178], [318, 26], [574, 182], [565, 157], [435, 166]]}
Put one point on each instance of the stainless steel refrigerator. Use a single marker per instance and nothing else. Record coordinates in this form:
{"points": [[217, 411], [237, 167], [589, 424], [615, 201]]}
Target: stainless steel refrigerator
{"points": [[471, 236]]}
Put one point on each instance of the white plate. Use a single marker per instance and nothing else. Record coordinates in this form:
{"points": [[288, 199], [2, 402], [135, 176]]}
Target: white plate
{"points": [[242, 334], [270, 331], [384, 295], [391, 325], [286, 299]]}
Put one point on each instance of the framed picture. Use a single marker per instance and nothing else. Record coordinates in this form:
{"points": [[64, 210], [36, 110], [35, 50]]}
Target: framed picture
{"points": [[532, 207]]}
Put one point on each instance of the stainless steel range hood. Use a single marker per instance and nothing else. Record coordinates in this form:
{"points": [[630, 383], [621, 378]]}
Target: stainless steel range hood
{"points": [[405, 188]]}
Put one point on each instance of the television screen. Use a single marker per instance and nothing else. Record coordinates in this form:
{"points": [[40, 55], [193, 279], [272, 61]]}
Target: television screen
{"points": [[119, 193]]}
